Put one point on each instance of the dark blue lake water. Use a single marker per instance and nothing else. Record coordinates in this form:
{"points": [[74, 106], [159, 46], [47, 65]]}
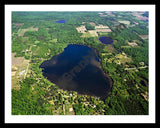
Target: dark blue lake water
{"points": [[78, 69], [106, 40], [61, 21]]}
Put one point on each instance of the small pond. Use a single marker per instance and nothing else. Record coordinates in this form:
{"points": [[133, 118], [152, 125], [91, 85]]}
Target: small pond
{"points": [[61, 21], [106, 40]]}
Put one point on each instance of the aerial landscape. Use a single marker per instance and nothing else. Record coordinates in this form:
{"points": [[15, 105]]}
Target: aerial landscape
{"points": [[80, 63]]}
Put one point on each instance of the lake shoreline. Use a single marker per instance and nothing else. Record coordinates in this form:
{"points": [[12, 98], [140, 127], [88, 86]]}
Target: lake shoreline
{"points": [[99, 66]]}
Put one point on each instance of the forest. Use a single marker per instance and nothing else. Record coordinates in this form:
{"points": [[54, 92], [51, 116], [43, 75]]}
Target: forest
{"points": [[37, 37]]}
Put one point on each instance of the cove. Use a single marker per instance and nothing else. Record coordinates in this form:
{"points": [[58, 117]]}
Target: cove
{"points": [[78, 69]]}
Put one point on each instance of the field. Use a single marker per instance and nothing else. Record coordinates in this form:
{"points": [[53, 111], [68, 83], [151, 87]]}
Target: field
{"points": [[124, 22], [119, 59], [123, 58], [139, 15], [90, 33], [18, 24], [133, 44], [102, 28], [81, 29], [93, 33], [19, 65], [110, 49], [144, 36], [21, 32]]}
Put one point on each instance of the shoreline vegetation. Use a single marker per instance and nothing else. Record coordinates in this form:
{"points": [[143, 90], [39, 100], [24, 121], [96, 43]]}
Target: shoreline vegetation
{"points": [[37, 37]]}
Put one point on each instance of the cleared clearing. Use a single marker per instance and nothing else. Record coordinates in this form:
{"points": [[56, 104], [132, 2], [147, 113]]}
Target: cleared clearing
{"points": [[133, 44], [110, 48], [101, 28], [124, 22], [123, 58], [93, 33], [90, 33], [86, 34], [21, 32], [139, 16], [92, 23], [18, 24], [81, 29], [144, 36], [19, 64]]}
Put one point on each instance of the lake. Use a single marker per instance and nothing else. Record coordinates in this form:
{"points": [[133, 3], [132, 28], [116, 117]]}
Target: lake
{"points": [[60, 21], [78, 69], [106, 40]]}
